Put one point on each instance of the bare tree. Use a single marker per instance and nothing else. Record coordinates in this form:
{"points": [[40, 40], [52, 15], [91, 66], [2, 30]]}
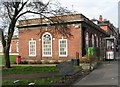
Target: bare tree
{"points": [[13, 10]]}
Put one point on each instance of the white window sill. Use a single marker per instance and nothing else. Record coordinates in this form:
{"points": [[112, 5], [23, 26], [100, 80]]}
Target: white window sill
{"points": [[32, 55], [63, 55], [47, 56]]}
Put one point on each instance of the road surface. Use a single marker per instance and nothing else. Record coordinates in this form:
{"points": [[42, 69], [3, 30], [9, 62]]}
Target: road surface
{"points": [[105, 74]]}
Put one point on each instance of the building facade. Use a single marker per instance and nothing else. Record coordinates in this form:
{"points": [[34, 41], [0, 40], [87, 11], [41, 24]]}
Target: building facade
{"points": [[113, 34], [14, 46], [40, 41]]}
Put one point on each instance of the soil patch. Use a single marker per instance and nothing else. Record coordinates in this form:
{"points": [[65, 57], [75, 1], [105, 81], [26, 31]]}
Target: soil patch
{"points": [[69, 80]]}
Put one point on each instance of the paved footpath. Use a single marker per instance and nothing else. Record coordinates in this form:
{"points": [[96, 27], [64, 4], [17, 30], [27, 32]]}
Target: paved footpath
{"points": [[105, 74]]}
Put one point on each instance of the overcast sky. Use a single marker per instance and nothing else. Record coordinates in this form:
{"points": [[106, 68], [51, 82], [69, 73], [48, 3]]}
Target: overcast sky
{"points": [[93, 8]]}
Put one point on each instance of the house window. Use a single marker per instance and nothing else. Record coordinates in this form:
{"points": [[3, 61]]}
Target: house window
{"points": [[97, 41], [87, 39], [32, 48], [100, 42], [93, 40], [47, 45], [63, 48], [17, 47]]}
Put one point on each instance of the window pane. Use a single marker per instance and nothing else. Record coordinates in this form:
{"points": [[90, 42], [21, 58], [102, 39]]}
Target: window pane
{"points": [[87, 40], [47, 45], [32, 48], [63, 47], [92, 40]]}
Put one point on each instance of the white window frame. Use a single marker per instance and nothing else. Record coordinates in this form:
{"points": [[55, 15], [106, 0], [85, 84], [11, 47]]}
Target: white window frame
{"points": [[87, 39], [93, 40], [97, 41], [44, 55], [29, 48], [65, 48]]}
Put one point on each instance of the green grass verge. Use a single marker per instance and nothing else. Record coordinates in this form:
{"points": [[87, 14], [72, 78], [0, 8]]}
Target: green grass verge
{"points": [[12, 59], [29, 69], [43, 81]]}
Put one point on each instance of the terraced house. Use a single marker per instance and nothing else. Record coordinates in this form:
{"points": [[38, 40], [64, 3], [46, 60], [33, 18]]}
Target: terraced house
{"points": [[111, 40], [39, 41]]}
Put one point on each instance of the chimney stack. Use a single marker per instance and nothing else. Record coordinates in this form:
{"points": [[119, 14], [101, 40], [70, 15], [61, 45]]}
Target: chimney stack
{"points": [[100, 18]]}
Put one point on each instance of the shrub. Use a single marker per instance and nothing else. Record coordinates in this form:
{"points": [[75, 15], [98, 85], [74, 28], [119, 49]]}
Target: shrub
{"points": [[38, 62], [56, 62], [35, 62], [24, 62], [84, 60], [46, 62]]}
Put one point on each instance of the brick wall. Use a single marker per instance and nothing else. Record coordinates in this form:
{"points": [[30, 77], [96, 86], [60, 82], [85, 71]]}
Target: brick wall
{"points": [[38, 21], [13, 47], [74, 43]]}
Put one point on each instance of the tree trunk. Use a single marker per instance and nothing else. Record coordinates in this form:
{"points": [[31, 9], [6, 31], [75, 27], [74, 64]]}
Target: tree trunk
{"points": [[7, 58], [6, 47]]}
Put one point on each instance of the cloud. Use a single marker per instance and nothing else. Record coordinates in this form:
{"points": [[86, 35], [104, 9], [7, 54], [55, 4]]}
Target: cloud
{"points": [[94, 8]]}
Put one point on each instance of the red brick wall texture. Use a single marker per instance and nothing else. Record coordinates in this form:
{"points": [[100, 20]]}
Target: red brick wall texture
{"points": [[74, 42], [13, 47], [73, 45]]}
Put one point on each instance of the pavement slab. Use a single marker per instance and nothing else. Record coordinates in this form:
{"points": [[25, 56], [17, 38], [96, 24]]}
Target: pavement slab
{"points": [[105, 74]]}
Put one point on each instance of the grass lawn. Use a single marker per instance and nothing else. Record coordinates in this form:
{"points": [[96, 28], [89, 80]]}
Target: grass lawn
{"points": [[29, 69], [43, 81], [12, 59]]}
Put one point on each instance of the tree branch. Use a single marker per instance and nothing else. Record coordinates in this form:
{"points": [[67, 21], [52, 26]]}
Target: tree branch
{"points": [[16, 7], [8, 11], [28, 12], [22, 6], [21, 14], [45, 6]]}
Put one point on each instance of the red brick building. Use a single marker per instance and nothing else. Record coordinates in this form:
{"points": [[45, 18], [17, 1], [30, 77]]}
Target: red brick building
{"points": [[40, 41], [14, 46], [112, 39]]}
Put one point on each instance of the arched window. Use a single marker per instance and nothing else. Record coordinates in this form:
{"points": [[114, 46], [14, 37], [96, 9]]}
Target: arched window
{"points": [[87, 40], [97, 41], [47, 45], [93, 40]]}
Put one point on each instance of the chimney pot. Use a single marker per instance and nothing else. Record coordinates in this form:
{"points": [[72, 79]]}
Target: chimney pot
{"points": [[100, 18]]}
